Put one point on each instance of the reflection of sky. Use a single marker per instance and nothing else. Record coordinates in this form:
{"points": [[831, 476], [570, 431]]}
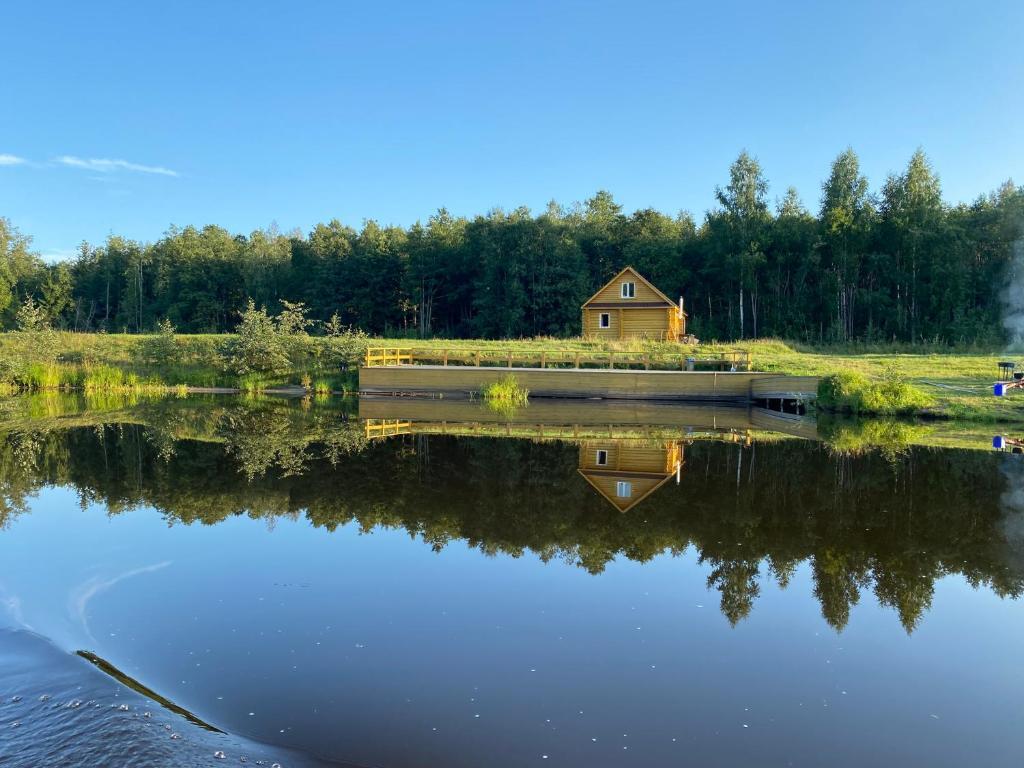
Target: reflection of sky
{"points": [[78, 605], [360, 646]]}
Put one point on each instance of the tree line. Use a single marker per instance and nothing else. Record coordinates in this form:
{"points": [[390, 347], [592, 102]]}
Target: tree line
{"points": [[898, 264]]}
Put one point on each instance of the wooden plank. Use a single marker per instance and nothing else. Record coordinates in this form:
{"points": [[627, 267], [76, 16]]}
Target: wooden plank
{"points": [[785, 387], [564, 382]]}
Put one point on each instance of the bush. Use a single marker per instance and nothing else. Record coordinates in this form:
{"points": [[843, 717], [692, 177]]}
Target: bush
{"points": [[258, 346], [161, 349], [343, 349], [850, 392]]}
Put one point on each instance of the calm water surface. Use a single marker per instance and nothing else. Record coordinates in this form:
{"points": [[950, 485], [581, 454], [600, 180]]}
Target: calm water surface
{"points": [[314, 595]]}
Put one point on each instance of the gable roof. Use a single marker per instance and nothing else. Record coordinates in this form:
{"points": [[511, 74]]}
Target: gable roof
{"points": [[626, 476], [640, 278]]}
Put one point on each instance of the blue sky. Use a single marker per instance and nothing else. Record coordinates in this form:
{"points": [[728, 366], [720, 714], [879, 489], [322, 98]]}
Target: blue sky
{"points": [[243, 114]]}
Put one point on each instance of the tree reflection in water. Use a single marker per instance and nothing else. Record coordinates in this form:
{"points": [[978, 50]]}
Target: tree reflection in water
{"points": [[885, 523]]}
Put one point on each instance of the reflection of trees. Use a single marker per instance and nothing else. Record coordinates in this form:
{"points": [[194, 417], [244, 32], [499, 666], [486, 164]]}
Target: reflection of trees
{"points": [[864, 523], [736, 580]]}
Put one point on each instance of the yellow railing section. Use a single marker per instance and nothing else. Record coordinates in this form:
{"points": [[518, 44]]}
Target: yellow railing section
{"points": [[378, 356], [729, 360]]}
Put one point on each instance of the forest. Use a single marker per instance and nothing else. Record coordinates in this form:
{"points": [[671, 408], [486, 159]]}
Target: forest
{"points": [[894, 265]]}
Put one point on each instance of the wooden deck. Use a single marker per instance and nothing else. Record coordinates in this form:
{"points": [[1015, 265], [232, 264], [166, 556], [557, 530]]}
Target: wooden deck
{"points": [[694, 386]]}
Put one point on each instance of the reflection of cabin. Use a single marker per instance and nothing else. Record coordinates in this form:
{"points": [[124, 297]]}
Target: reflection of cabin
{"points": [[630, 307], [627, 471]]}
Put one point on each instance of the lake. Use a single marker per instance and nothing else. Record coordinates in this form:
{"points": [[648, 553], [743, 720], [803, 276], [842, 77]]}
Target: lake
{"points": [[202, 581]]}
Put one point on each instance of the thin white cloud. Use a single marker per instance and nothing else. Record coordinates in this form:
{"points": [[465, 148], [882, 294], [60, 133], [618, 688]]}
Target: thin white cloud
{"points": [[12, 160], [105, 165]]}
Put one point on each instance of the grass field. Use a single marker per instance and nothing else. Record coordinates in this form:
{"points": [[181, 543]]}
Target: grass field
{"points": [[958, 382]]}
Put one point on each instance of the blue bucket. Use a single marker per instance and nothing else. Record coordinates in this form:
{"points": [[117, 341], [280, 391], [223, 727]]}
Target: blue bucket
{"points": [[999, 389], [999, 442]]}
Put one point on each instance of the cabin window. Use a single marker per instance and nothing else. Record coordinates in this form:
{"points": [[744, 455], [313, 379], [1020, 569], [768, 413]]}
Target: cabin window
{"points": [[602, 458], [623, 489], [604, 320], [628, 290]]}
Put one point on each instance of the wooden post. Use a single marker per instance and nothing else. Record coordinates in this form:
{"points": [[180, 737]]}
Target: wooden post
{"points": [[510, 359], [647, 362], [543, 359], [611, 359], [577, 359], [445, 353], [478, 358]]}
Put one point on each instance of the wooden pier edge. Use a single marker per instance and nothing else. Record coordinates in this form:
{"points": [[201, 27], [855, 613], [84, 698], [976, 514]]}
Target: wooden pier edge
{"points": [[709, 386]]}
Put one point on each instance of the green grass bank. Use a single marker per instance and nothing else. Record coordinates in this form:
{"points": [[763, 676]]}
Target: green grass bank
{"points": [[932, 382]]}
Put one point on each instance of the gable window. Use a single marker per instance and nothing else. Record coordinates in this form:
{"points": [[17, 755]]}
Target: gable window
{"points": [[628, 290], [604, 320], [602, 458], [623, 489]]}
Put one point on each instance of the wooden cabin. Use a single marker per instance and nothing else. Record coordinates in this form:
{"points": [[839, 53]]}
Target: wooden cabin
{"points": [[630, 307], [626, 472]]}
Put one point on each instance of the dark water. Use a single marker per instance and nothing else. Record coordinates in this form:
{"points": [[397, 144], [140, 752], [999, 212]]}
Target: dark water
{"points": [[463, 600]]}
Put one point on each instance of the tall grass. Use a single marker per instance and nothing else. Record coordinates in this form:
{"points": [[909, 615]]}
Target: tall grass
{"points": [[252, 383], [42, 376], [506, 391]]}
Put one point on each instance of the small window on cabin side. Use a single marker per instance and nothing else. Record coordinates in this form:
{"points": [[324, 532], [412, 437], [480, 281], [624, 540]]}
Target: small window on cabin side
{"points": [[602, 458], [605, 320], [628, 290], [623, 489]]}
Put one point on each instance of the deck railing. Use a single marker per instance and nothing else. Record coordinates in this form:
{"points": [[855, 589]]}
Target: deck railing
{"points": [[381, 356], [728, 360]]}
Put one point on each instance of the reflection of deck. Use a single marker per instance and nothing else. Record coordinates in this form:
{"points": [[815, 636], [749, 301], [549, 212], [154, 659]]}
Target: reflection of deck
{"points": [[576, 419]]}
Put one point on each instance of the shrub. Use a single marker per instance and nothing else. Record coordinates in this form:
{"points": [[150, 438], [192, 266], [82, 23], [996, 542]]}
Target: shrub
{"points": [[34, 342], [258, 346], [850, 392], [161, 349], [343, 348]]}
